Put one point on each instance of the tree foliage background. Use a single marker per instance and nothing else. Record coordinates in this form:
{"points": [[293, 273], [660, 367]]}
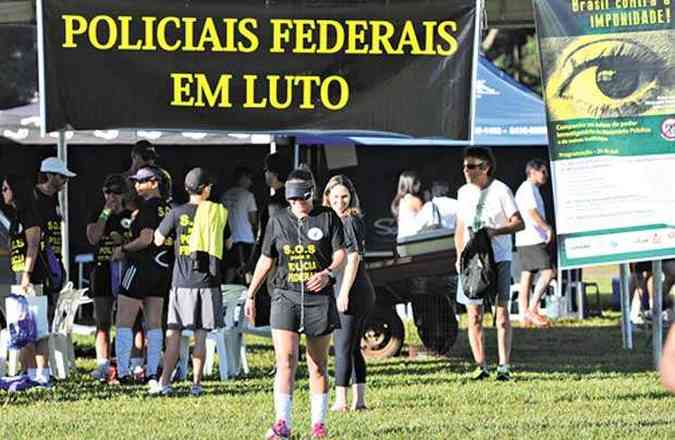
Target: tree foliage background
{"points": [[515, 51]]}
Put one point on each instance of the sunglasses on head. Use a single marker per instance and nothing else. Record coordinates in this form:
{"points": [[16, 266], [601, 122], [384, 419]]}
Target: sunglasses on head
{"points": [[473, 166]]}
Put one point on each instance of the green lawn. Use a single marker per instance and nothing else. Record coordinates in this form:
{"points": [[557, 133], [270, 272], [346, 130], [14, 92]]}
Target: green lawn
{"points": [[571, 381]]}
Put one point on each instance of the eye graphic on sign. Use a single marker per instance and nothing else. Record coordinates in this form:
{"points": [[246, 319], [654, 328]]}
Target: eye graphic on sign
{"points": [[315, 234], [608, 77], [126, 223]]}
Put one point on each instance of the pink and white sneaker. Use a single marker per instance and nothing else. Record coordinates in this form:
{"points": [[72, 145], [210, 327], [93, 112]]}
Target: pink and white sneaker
{"points": [[319, 430], [278, 431]]}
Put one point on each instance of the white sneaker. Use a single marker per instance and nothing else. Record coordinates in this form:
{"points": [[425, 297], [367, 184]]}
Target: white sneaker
{"points": [[637, 320], [157, 389], [100, 373]]}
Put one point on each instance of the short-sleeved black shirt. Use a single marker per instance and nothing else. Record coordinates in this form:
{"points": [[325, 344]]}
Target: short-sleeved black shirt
{"points": [[179, 222], [18, 245], [355, 234], [149, 216], [119, 223], [362, 294], [302, 248], [50, 213]]}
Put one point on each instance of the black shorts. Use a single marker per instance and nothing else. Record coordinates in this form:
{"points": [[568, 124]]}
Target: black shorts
{"points": [[535, 257], [143, 280], [320, 313], [103, 311], [100, 282]]}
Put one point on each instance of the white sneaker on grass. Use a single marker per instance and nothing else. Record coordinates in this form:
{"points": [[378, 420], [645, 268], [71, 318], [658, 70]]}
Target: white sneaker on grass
{"points": [[157, 389]]}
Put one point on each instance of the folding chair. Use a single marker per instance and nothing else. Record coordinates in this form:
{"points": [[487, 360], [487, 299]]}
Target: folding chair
{"points": [[61, 350], [227, 341]]}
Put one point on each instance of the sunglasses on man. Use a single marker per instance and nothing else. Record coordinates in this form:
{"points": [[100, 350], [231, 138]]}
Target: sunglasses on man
{"points": [[149, 179], [473, 166]]}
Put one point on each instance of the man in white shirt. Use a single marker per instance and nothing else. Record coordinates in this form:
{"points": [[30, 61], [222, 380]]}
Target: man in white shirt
{"points": [[499, 215], [243, 218], [533, 244], [445, 207]]}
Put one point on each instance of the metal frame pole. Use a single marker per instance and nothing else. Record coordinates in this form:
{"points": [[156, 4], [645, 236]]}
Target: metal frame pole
{"points": [[296, 151], [62, 153], [626, 329], [581, 298], [657, 322]]}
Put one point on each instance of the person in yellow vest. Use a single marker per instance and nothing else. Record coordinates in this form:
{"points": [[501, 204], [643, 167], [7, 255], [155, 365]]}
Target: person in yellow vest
{"points": [[201, 234]]}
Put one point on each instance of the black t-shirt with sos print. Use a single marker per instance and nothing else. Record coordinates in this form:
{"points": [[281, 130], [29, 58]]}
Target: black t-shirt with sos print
{"points": [[117, 227], [302, 247], [149, 216]]}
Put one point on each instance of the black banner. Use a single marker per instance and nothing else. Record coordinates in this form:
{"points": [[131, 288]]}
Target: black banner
{"points": [[242, 65]]}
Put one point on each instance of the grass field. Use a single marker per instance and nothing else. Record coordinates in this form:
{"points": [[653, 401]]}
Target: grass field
{"points": [[571, 381]]}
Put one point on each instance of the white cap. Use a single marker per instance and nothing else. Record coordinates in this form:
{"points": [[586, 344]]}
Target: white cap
{"points": [[56, 166]]}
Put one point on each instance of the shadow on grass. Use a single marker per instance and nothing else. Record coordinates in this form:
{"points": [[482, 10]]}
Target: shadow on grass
{"points": [[556, 350]]}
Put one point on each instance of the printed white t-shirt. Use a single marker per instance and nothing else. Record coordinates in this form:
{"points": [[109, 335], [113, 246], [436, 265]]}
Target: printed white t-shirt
{"points": [[499, 206], [240, 202], [528, 197]]}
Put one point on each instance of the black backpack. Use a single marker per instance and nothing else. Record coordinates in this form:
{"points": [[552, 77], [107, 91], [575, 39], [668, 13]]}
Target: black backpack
{"points": [[477, 267]]}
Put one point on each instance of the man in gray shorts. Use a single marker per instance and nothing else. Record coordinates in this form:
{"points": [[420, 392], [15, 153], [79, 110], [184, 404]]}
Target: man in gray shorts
{"points": [[485, 202], [533, 244], [195, 300]]}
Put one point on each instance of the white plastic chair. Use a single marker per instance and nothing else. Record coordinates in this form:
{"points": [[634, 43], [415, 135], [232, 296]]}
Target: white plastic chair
{"points": [[227, 341], [61, 350]]}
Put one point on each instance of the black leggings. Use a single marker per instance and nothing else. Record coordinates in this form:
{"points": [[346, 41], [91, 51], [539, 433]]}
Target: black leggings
{"points": [[349, 361]]}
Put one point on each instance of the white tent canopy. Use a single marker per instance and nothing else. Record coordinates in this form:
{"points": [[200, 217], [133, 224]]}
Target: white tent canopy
{"points": [[22, 125]]}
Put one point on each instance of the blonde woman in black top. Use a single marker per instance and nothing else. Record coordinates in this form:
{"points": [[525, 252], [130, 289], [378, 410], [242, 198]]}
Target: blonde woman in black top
{"points": [[355, 297]]}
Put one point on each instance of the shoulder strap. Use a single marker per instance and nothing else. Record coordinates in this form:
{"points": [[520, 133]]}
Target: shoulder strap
{"points": [[479, 208], [436, 214]]}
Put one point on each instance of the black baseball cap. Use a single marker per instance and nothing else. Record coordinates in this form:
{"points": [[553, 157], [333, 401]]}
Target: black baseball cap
{"points": [[197, 179]]}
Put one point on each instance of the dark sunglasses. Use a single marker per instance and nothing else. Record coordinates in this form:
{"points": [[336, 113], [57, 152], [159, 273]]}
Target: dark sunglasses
{"points": [[473, 166], [149, 179], [112, 191], [300, 198]]}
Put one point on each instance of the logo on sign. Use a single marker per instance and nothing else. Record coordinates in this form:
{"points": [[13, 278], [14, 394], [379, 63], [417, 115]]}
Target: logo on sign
{"points": [[315, 234], [668, 129]]}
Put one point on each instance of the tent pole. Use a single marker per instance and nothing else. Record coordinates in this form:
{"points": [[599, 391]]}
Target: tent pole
{"points": [[296, 151], [657, 322], [626, 330], [62, 153]]}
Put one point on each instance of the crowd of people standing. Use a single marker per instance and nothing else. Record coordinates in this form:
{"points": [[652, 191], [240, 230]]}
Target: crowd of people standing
{"points": [[158, 266]]}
